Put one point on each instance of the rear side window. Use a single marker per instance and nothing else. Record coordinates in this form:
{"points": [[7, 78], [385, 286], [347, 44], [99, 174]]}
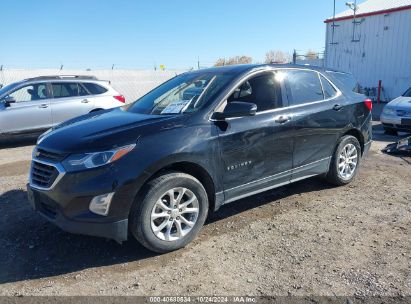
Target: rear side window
{"points": [[329, 90], [62, 90], [82, 90], [94, 89], [303, 87]]}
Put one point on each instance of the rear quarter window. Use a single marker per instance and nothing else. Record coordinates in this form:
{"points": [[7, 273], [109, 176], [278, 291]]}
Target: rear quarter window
{"points": [[94, 88], [347, 80], [328, 88]]}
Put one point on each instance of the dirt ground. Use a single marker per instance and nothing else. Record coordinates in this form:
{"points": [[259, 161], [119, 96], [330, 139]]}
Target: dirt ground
{"points": [[303, 239]]}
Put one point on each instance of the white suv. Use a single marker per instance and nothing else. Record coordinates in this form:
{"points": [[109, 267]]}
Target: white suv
{"points": [[36, 104]]}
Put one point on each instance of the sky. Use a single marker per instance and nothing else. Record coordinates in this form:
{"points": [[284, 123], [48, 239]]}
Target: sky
{"points": [[140, 34]]}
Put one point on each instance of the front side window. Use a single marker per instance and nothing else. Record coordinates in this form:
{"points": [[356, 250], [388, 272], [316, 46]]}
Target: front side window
{"points": [[182, 94], [264, 90], [303, 86], [62, 89], [31, 92]]}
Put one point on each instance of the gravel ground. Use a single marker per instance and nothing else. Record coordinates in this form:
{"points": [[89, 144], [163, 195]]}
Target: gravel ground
{"points": [[303, 239]]}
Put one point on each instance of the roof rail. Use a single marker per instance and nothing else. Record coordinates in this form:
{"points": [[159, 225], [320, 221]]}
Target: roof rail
{"points": [[63, 77]]}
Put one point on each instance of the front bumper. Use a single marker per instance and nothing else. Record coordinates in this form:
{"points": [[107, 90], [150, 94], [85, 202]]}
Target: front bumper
{"points": [[52, 211], [66, 203], [396, 122]]}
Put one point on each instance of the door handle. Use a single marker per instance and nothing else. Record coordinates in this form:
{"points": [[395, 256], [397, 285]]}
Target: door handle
{"points": [[43, 106], [282, 119], [337, 107], [85, 101]]}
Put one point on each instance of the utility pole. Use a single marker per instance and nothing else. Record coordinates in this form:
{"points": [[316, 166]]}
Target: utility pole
{"points": [[295, 57], [112, 67], [355, 21], [61, 67], [198, 63]]}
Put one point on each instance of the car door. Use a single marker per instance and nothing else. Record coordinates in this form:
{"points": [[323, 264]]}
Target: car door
{"points": [[320, 117], [256, 151], [69, 100], [29, 112]]}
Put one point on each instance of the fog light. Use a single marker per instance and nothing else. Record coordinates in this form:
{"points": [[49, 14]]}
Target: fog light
{"points": [[101, 204]]}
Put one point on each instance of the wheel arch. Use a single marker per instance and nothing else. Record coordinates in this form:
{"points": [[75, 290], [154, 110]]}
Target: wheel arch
{"points": [[357, 134], [96, 110], [193, 169]]}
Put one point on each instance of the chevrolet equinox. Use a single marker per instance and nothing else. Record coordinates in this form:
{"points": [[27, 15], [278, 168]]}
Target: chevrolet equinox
{"points": [[156, 167]]}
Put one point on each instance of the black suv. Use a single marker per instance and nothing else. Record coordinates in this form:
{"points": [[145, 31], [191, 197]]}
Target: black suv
{"points": [[158, 166]]}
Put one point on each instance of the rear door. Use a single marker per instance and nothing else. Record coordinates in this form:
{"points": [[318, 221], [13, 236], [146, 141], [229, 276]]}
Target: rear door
{"points": [[256, 151], [70, 99], [319, 118], [30, 112]]}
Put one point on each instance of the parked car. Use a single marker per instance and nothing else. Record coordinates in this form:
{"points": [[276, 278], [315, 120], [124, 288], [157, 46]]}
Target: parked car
{"points": [[157, 167], [36, 104], [396, 115]]}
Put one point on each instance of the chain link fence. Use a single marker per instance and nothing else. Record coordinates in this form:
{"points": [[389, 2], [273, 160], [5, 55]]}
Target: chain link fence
{"points": [[131, 83]]}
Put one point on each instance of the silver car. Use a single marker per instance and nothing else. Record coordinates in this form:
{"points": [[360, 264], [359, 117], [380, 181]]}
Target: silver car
{"points": [[396, 115], [36, 104]]}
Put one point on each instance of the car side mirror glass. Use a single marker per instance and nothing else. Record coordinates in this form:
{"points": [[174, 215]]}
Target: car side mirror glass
{"points": [[236, 109]]}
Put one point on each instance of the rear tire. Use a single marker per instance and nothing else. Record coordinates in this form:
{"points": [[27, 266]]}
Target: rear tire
{"points": [[390, 131], [169, 212], [345, 161]]}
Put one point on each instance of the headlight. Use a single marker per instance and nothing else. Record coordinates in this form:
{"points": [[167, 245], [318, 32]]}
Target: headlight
{"points": [[77, 162], [389, 111]]}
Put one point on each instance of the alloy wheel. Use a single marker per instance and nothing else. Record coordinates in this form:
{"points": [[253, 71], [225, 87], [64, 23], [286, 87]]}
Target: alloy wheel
{"points": [[348, 161], [174, 214]]}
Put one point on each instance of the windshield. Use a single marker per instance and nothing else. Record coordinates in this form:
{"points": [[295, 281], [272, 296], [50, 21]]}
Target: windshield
{"points": [[182, 94], [408, 93]]}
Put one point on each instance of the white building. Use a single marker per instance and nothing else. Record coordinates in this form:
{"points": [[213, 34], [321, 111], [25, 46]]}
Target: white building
{"points": [[375, 45]]}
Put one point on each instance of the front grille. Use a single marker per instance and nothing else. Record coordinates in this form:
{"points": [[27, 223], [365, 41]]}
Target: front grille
{"points": [[47, 155], [401, 112], [43, 175]]}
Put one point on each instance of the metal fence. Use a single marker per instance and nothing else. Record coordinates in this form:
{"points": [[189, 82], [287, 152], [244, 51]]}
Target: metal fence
{"points": [[131, 83]]}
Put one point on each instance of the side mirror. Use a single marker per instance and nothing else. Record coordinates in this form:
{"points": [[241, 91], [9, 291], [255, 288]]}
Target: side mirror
{"points": [[8, 100], [236, 109]]}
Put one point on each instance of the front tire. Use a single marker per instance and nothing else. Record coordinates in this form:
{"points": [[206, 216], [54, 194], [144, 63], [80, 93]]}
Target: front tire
{"points": [[169, 212], [345, 161]]}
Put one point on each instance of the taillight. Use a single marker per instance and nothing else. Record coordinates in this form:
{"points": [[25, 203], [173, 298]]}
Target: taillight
{"points": [[120, 98], [368, 103]]}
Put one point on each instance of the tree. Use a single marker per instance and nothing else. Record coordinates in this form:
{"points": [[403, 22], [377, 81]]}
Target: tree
{"points": [[220, 62], [311, 55], [233, 60], [277, 56]]}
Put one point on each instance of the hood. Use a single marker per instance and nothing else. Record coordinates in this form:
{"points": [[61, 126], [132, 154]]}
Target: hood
{"points": [[103, 130], [403, 102]]}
